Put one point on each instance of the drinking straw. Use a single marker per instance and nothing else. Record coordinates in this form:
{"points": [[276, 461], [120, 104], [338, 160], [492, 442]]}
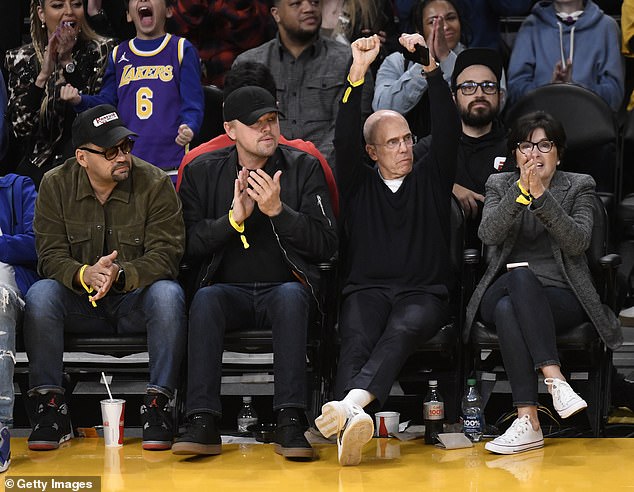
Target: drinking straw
{"points": [[105, 381]]}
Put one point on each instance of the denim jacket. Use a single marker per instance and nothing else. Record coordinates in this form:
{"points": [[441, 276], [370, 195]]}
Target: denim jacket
{"points": [[141, 219]]}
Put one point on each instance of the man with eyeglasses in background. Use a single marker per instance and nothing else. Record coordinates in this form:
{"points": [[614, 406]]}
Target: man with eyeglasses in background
{"points": [[109, 235], [475, 84], [395, 243]]}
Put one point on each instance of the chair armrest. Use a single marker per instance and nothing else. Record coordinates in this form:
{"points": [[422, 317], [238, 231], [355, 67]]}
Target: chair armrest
{"points": [[609, 265], [610, 261], [471, 256]]}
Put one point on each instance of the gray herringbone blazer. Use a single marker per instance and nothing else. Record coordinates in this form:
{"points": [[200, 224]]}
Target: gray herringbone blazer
{"points": [[567, 215]]}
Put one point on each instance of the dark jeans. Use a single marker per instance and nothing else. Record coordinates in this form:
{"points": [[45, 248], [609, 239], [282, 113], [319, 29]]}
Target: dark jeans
{"points": [[52, 309], [380, 328], [282, 307], [527, 317]]}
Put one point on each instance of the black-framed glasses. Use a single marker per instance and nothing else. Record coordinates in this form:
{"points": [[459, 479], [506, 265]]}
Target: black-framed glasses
{"points": [[469, 88], [111, 153], [543, 146], [395, 143]]}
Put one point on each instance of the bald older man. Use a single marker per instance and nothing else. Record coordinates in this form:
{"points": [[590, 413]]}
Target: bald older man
{"points": [[396, 232]]}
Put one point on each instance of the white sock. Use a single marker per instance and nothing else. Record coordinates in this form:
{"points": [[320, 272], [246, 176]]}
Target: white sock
{"points": [[359, 397]]}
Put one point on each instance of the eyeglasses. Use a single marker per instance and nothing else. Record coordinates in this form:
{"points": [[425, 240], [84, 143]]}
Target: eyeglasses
{"points": [[544, 146], [111, 153], [470, 88], [395, 143]]}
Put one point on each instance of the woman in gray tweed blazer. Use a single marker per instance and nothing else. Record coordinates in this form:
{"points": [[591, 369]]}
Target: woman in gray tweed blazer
{"points": [[540, 219]]}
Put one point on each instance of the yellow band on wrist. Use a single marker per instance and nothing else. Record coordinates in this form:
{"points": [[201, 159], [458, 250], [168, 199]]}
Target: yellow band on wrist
{"points": [[239, 228], [524, 192], [87, 288], [357, 83], [523, 200], [234, 224]]}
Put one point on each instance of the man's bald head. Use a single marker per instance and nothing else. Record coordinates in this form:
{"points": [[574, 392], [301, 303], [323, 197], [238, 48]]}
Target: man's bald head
{"points": [[374, 122], [389, 143]]}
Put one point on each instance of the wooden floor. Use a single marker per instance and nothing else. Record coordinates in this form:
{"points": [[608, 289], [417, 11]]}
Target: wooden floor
{"points": [[563, 464]]}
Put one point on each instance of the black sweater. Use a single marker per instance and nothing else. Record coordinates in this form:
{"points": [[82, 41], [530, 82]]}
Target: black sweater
{"points": [[398, 239]]}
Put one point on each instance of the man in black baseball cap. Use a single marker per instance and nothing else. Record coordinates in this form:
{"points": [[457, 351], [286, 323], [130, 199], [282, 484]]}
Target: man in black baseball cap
{"points": [[258, 220], [247, 104], [101, 126], [477, 86], [110, 236]]}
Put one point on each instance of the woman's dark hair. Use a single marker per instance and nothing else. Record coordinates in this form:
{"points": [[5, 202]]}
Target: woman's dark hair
{"points": [[416, 19], [524, 126]]}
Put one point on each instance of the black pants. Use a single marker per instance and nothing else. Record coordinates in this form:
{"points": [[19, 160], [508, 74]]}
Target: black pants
{"points": [[380, 327], [527, 317]]}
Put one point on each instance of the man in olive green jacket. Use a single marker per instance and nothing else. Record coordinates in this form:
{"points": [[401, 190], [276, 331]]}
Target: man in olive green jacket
{"points": [[110, 236]]}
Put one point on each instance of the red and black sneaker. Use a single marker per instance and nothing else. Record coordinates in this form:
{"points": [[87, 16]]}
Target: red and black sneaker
{"points": [[156, 417], [52, 423]]}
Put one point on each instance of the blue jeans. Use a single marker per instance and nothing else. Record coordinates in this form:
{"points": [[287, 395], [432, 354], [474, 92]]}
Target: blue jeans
{"points": [[10, 310], [527, 318], [52, 309], [282, 307]]}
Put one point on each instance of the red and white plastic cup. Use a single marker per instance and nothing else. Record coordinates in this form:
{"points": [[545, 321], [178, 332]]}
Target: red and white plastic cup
{"points": [[386, 423], [112, 413]]}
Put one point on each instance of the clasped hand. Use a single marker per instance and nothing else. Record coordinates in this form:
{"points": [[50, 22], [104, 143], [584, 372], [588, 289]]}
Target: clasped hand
{"points": [[102, 275], [253, 187], [530, 179]]}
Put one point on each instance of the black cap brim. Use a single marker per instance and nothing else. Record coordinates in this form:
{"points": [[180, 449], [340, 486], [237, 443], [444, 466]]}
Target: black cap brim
{"points": [[113, 136]]}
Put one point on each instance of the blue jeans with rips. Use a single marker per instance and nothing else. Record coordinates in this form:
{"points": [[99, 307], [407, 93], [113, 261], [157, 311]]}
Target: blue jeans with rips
{"points": [[52, 309], [10, 312], [219, 308]]}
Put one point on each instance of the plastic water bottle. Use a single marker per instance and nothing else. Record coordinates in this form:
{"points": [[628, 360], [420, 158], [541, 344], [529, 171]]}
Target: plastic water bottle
{"points": [[246, 415], [433, 413], [472, 416]]}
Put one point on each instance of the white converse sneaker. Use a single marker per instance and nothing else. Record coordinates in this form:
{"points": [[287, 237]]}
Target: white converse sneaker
{"points": [[357, 431], [518, 438], [565, 400]]}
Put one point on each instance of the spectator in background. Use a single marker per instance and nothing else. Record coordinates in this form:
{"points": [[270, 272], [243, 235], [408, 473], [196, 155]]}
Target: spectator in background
{"points": [[399, 86], [221, 30], [348, 20], [4, 129], [309, 72], [475, 83], [257, 74], [481, 19], [164, 104], [64, 49], [17, 273], [108, 18], [568, 41], [627, 47]]}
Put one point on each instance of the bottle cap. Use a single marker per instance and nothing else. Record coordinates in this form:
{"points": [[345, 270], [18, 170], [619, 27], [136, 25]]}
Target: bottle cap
{"points": [[471, 382], [246, 399], [433, 382]]}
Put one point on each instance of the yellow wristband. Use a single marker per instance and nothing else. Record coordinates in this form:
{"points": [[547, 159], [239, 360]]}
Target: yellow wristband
{"points": [[524, 192], [234, 224], [87, 288], [239, 228], [523, 200]]}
